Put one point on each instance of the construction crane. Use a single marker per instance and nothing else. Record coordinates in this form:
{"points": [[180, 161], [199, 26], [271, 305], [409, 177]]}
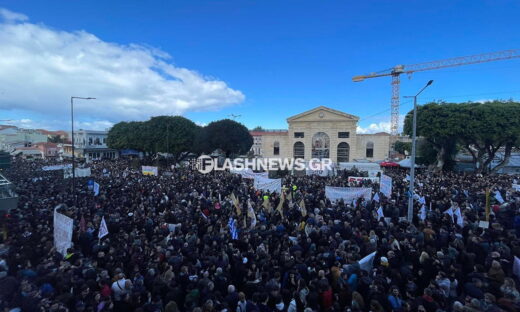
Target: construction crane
{"points": [[396, 71], [234, 116]]}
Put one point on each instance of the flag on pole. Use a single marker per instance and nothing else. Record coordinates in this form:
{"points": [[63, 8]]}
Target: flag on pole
{"points": [[302, 207], [449, 211], [380, 213], [460, 220], [236, 203], [376, 197], [499, 197], [422, 215], [96, 189], [251, 213], [250, 210], [280, 205], [233, 228], [103, 229]]}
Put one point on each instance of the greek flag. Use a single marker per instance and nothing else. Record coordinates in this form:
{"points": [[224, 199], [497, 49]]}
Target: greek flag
{"points": [[96, 189], [233, 228], [499, 197]]}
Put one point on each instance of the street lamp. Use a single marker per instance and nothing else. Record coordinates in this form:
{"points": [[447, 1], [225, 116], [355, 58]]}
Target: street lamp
{"points": [[72, 138], [414, 139]]}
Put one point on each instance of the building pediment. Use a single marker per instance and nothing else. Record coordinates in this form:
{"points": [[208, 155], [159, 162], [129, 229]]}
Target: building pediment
{"points": [[322, 113]]}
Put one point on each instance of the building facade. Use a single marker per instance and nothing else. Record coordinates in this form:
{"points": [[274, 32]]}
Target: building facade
{"points": [[322, 133], [91, 145], [12, 137]]}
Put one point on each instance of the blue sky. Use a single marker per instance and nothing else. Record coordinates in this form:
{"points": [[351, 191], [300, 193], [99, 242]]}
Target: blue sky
{"points": [[264, 60]]}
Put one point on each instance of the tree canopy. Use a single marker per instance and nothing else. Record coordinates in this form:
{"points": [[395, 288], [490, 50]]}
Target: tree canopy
{"points": [[480, 129], [179, 136], [228, 135]]}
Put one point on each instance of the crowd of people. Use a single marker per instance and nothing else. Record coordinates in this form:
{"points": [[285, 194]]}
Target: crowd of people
{"points": [[170, 247]]}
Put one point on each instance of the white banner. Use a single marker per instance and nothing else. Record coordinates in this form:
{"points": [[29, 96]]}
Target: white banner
{"points": [[80, 172], [150, 170], [56, 167], [248, 173], [385, 186], [324, 172], [270, 185], [361, 179], [348, 194], [319, 168], [62, 232]]}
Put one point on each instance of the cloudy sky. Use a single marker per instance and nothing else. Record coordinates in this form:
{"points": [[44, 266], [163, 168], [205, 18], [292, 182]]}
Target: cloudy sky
{"points": [[261, 60]]}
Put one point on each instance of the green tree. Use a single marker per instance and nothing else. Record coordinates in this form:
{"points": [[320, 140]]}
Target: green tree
{"points": [[166, 134], [438, 125], [126, 135], [228, 135], [481, 129], [170, 134], [258, 128], [401, 147], [56, 139]]}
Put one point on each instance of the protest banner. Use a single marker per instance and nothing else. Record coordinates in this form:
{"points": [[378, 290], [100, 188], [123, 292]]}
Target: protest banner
{"points": [[56, 167], [266, 184], [80, 172], [385, 186], [150, 170], [361, 179], [62, 232], [348, 194]]}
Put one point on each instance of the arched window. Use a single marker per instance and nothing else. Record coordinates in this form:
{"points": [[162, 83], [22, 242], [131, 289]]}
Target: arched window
{"points": [[343, 152], [320, 145], [370, 150], [276, 148], [299, 150]]}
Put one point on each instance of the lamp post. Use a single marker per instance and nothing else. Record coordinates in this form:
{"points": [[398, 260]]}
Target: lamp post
{"points": [[72, 138], [412, 167]]}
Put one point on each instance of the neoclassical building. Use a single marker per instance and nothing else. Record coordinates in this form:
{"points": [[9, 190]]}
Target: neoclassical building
{"points": [[322, 132]]}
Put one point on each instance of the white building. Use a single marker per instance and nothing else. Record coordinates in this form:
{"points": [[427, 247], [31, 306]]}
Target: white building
{"points": [[91, 145], [322, 133]]}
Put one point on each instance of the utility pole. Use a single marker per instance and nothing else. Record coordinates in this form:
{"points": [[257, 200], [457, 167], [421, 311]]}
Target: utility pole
{"points": [[412, 167]]}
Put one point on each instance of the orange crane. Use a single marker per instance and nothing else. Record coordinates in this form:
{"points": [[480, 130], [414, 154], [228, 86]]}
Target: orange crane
{"points": [[396, 71]]}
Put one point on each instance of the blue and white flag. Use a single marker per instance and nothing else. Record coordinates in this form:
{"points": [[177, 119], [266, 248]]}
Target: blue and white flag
{"points": [[376, 197], [460, 219], [96, 189], [449, 211], [422, 214], [380, 213], [499, 197], [233, 228], [103, 229]]}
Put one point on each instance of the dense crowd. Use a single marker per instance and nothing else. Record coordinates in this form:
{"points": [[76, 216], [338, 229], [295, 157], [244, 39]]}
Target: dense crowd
{"points": [[170, 248]]}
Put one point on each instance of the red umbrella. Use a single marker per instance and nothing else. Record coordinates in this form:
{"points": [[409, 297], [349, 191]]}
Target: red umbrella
{"points": [[389, 164]]}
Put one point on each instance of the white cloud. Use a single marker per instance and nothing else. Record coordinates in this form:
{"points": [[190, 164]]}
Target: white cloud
{"points": [[9, 16], [27, 123], [41, 67], [383, 126]]}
